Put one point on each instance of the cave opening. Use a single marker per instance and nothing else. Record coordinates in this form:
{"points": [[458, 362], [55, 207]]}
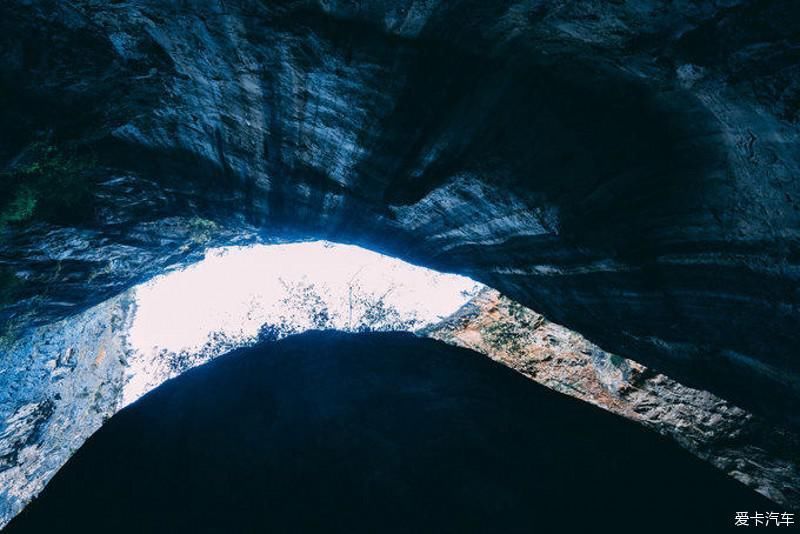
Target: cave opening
{"points": [[238, 295], [627, 172]]}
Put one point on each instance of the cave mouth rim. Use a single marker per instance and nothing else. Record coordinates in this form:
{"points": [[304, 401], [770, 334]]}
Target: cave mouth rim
{"points": [[238, 295]]}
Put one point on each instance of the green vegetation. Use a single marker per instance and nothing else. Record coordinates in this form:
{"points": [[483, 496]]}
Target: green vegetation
{"points": [[50, 184], [506, 335], [21, 207], [518, 311], [203, 227], [618, 362], [200, 232]]}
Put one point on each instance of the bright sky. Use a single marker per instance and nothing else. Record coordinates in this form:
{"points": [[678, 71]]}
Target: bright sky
{"points": [[236, 290]]}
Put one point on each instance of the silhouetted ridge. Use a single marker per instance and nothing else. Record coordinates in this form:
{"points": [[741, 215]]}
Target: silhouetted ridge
{"points": [[332, 432]]}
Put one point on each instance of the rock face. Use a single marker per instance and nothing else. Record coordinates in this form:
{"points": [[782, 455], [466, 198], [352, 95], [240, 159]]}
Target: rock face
{"points": [[57, 387], [626, 168], [748, 448], [63, 380], [374, 432]]}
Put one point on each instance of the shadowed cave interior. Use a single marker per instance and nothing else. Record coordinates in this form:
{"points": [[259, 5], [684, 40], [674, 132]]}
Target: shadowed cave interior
{"points": [[621, 177], [380, 432]]}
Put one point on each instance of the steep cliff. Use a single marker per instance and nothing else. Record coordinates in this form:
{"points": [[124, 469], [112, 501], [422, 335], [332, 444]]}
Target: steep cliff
{"points": [[375, 433], [749, 448], [626, 168]]}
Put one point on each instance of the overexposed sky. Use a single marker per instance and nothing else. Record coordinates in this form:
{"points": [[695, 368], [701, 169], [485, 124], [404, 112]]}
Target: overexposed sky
{"points": [[236, 290]]}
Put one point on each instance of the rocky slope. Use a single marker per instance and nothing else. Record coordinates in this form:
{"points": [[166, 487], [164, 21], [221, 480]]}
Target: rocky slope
{"points": [[627, 168], [747, 447], [61, 381], [334, 432], [57, 387], [59, 384]]}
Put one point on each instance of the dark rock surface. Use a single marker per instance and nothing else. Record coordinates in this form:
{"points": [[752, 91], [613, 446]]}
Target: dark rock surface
{"points": [[629, 169], [62, 381], [332, 432], [754, 451]]}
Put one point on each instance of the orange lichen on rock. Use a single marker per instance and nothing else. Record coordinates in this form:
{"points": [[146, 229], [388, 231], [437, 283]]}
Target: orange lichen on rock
{"points": [[565, 361]]}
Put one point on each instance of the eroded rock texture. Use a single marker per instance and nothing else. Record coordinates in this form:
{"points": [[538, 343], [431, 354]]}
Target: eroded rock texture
{"points": [[63, 381], [747, 447], [627, 168], [334, 432]]}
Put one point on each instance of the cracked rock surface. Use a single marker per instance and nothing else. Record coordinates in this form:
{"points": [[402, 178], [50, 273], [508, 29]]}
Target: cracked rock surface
{"points": [[46, 415], [744, 445], [306, 445], [626, 168], [61, 384]]}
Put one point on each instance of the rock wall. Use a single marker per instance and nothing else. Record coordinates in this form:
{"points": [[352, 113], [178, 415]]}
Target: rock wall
{"points": [[387, 433], [63, 381], [747, 447], [57, 387], [626, 168]]}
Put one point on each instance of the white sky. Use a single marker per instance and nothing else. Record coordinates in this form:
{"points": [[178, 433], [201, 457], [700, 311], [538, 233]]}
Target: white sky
{"points": [[236, 290]]}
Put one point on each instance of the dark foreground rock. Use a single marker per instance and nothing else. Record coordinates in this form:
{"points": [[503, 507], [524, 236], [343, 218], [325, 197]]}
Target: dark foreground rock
{"points": [[754, 451], [331, 432]]}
